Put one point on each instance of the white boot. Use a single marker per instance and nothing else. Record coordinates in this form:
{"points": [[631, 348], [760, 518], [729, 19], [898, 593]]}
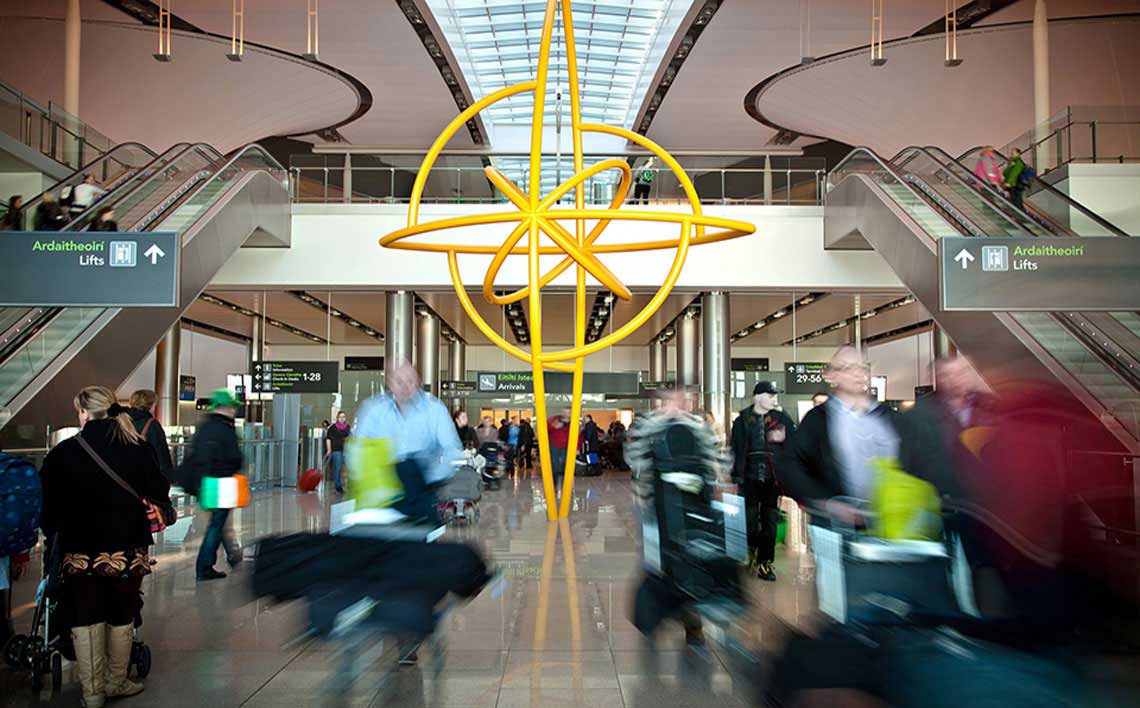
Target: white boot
{"points": [[90, 662], [119, 643]]}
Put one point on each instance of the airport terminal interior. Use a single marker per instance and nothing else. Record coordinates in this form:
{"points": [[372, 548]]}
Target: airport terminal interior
{"points": [[559, 353]]}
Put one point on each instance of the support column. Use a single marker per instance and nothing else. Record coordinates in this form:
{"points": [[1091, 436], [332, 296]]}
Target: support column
{"points": [[166, 375], [1041, 84], [688, 352], [456, 368], [71, 35], [716, 377], [427, 351], [941, 346], [768, 180], [256, 409], [399, 309], [658, 361], [347, 178]]}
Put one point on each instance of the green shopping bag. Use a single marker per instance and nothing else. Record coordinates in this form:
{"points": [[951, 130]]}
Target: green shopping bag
{"points": [[902, 505], [372, 469]]}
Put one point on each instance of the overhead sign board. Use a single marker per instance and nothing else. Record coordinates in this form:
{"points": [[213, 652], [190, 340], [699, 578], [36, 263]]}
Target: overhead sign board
{"points": [[295, 377], [453, 389], [1039, 274], [621, 383], [89, 269], [364, 363], [187, 388], [750, 364], [804, 376]]}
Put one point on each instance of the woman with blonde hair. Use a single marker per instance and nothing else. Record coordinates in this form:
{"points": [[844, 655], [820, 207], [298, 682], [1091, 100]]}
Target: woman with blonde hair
{"points": [[95, 488]]}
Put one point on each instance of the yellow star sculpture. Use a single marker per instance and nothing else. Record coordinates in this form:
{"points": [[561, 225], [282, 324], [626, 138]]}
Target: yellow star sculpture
{"points": [[537, 215]]}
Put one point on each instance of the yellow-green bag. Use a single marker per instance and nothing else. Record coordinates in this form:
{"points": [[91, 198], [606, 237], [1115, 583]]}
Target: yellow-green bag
{"points": [[904, 506], [373, 481]]}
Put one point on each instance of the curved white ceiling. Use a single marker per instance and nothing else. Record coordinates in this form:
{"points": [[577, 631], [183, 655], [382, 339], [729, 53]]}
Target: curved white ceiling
{"points": [[914, 99], [199, 96]]}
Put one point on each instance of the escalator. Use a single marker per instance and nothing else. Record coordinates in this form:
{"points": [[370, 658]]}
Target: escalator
{"points": [[901, 208], [216, 205]]}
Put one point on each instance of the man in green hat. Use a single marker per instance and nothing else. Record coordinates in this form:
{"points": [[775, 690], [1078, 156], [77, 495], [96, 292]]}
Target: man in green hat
{"points": [[214, 452]]}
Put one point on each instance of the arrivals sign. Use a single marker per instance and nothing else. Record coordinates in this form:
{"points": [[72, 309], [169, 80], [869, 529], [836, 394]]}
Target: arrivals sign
{"points": [[611, 384], [295, 377], [89, 269], [1039, 274], [804, 376]]}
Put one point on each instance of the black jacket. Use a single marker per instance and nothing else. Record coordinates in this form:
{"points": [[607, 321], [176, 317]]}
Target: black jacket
{"points": [[214, 450], [810, 473], [156, 437], [49, 217], [742, 436], [105, 226], [467, 437], [91, 512], [590, 437]]}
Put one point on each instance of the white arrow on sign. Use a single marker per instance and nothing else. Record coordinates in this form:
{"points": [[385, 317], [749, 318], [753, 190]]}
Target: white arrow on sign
{"points": [[154, 253], [964, 257]]}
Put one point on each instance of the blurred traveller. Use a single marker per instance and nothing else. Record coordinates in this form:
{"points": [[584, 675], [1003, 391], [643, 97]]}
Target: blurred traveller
{"points": [[423, 433], [105, 220], [526, 444], [819, 398], [1016, 178], [512, 441], [84, 194], [49, 214], [142, 415], [986, 168], [17, 526], [467, 437], [558, 430], [833, 451], [486, 431], [335, 436], [104, 537], [676, 462], [759, 435], [214, 452], [13, 219], [591, 443], [644, 183]]}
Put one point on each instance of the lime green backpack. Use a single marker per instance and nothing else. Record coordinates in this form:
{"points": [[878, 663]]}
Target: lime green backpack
{"points": [[903, 506]]}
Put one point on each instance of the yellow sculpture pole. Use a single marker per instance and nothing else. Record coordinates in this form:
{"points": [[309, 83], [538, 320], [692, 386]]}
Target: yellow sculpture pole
{"points": [[537, 217]]}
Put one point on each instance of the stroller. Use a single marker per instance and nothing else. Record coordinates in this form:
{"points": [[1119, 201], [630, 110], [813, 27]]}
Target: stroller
{"points": [[459, 500], [495, 467], [43, 650]]}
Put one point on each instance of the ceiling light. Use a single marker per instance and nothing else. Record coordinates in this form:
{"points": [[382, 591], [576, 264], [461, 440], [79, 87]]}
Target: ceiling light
{"points": [[759, 324], [807, 300], [869, 314], [779, 314]]}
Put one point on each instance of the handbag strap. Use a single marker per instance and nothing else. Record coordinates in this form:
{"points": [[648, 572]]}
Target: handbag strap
{"points": [[107, 468], [146, 427]]}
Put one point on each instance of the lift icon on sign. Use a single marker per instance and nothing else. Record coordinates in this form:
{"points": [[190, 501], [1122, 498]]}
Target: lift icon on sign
{"points": [[995, 258], [124, 254]]}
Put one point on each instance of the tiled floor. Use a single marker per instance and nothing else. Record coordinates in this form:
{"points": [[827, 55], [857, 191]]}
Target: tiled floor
{"points": [[557, 635]]}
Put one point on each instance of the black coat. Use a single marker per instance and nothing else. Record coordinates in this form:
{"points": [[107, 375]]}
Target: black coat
{"points": [[156, 437], [590, 437], [214, 450], [108, 225], [90, 511], [49, 217], [744, 433], [809, 473]]}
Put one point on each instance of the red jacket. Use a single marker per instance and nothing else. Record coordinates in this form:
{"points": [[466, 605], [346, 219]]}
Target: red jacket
{"points": [[559, 436]]}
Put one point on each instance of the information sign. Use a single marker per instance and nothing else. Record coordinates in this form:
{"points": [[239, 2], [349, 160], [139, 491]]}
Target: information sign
{"points": [[454, 389], [750, 364], [89, 269], [295, 377], [187, 388], [804, 376], [1039, 274]]}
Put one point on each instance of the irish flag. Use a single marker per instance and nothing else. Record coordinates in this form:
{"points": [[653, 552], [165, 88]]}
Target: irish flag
{"points": [[224, 492]]}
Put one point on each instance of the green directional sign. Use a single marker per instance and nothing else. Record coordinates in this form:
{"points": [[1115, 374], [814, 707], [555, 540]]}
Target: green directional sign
{"points": [[1039, 274], [89, 269]]}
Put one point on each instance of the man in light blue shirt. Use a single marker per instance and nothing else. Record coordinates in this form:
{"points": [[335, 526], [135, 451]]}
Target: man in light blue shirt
{"points": [[418, 425]]}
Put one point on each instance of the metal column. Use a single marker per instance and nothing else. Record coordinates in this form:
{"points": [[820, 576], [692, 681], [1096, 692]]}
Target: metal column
{"points": [[456, 367], [427, 351], [658, 361], [399, 308], [716, 376], [347, 178], [166, 379], [688, 352], [1041, 83], [72, 30]]}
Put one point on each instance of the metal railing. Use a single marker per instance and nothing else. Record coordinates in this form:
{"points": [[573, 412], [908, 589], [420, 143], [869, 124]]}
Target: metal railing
{"points": [[50, 130], [797, 183], [1082, 134], [265, 460]]}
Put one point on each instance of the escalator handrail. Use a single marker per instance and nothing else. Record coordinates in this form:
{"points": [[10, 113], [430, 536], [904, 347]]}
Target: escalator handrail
{"points": [[863, 150], [203, 149], [1053, 191], [39, 320], [916, 150], [235, 156], [89, 167]]}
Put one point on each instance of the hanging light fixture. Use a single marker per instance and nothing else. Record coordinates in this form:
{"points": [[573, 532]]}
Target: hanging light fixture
{"points": [[952, 33], [312, 32], [877, 33], [237, 32], [163, 53]]}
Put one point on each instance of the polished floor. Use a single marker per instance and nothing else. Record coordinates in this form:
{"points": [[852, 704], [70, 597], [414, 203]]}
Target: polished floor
{"points": [[556, 635]]}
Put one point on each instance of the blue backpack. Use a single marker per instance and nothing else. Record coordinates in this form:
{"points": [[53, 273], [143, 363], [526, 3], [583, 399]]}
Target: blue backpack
{"points": [[1026, 176], [21, 502]]}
